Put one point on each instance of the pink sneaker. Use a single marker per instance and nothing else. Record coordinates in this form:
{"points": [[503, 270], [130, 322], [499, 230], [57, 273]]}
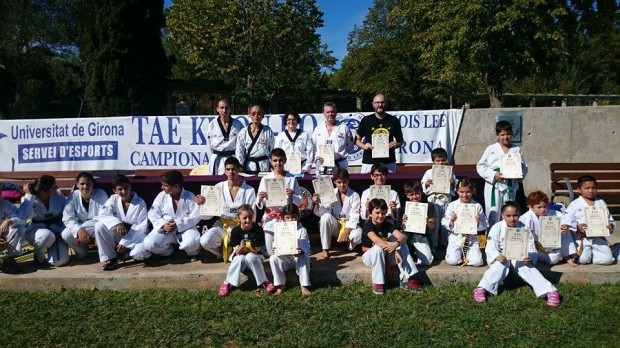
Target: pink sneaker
{"points": [[553, 298], [269, 288], [480, 295], [224, 289], [378, 289]]}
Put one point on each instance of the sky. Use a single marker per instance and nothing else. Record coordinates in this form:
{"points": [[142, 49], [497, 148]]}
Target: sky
{"points": [[339, 17]]}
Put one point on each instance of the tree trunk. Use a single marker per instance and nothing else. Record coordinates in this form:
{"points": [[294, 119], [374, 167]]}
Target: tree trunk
{"points": [[494, 90]]}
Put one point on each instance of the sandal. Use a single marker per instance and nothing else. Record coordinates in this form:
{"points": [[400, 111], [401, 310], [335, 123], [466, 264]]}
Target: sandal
{"points": [[110, 265]]}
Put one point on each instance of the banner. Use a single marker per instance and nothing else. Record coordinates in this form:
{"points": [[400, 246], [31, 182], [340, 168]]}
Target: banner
{"points": [[177, 142]]}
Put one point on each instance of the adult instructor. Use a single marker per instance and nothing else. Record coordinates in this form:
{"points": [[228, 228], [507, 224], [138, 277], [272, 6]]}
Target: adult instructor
{"points": [[222, 133], [379, 123]]}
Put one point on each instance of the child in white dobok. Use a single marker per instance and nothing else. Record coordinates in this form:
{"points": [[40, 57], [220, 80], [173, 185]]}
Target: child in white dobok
{"points": [[11, 232], [420, 242], [246, 240], [122, 225], [499, 265], [299, 261], [174, 215], [594, 250], [341, 218], [463, 248], [538, 203], [234, 193]]}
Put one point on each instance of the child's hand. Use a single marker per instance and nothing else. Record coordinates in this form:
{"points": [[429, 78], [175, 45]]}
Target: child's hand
{"points": [[390, 247], [367, 146], [452, 180], [316, 198], [320, 159], [121, 248], [299, 252], [256, 250], [121, 230], [428, 182], [499, 177], [500, 258], [430, 223], [345, 235], [564, 228], [477, 219], [262, 195], [527, 260], [610, 227], [581, 228], [170, 226], [392, 205], [4, 227], [453, 217], [399, 259], [200, 199], [289, 193], [404, 218], [82, 237]]}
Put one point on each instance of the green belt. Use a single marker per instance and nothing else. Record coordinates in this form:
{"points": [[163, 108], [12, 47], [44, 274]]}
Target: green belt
{"points": [[508, 183]]}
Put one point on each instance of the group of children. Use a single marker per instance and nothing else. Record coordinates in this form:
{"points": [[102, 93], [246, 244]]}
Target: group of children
{"points": [[120, 225]]}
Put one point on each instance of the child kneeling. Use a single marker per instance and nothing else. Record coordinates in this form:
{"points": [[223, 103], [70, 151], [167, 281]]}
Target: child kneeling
{"points": [[383, 244], [246, 241], [299, 261], [499, 265]]}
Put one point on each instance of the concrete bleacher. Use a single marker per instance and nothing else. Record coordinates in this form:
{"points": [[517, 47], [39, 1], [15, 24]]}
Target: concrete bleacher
{"points": [[343, 268]]}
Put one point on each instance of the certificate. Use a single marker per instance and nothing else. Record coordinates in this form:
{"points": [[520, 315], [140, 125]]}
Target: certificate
{"points": [[416, 217], [550, 235], [466, 219], [326, 152], [516, 243], [276, 192], [380, 145], [325, 189], [596, 221], [510, 166], [293, 162], [381, 192], [213, 201], [441, 176], [285, 238]]}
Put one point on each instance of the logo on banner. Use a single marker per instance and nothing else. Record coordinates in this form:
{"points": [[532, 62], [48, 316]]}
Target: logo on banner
{"points": [[353, 122]]}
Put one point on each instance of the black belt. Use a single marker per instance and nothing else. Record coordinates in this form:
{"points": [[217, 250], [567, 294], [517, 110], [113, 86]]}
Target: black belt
{"points": [[256, 161], [224, 153], [52, 220]]}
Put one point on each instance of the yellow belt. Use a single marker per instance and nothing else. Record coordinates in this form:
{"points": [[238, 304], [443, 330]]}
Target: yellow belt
{"points": [[541, 248], [435, 196], [227, 224], [342, 222]]}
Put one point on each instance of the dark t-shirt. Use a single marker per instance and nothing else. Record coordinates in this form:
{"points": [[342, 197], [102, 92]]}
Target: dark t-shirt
{"points": [[382, 231], [256, 235], [372, 125]]}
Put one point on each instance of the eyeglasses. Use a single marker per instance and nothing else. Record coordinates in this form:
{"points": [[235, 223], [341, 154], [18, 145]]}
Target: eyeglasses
{"points": [[379, 175], [379, 102]]}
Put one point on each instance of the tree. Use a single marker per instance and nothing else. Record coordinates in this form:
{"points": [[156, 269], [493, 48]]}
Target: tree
{"points": [[380, 58], [264, 48], [124, 62], [467, 46], [39, 70]]}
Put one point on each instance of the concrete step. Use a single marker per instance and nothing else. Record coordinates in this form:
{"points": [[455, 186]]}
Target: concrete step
{"points": [[343, 268]]}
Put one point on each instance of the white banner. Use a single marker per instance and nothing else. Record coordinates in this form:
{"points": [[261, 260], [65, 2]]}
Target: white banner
{"points": [[160, 142]]}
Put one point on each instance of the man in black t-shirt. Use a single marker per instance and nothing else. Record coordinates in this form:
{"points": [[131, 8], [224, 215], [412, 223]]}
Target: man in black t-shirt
{"points": [[379, 123]]}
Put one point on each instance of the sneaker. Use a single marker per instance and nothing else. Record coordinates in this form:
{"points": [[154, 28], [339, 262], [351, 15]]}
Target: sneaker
{"points": [[378, 289], [10, 266], [269, 288], [411, 285], [553, 298], [224, 289], [110, 265], [164, 259], [480, 295]]}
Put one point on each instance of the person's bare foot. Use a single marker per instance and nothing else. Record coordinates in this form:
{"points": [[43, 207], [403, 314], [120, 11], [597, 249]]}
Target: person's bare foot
{"points": [[279, 290], [572, 263], [305, 291], [324, 255]]}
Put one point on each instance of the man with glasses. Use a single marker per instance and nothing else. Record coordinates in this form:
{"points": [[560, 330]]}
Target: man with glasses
{"points": [[379, 123]]}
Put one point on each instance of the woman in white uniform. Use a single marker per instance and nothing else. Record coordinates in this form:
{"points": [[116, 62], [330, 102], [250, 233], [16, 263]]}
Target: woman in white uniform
{"points": [[292, 139], [43, 205], [80, 213]]}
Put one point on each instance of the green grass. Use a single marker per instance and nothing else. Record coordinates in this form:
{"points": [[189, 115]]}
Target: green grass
{"points": [[345, 316]]}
